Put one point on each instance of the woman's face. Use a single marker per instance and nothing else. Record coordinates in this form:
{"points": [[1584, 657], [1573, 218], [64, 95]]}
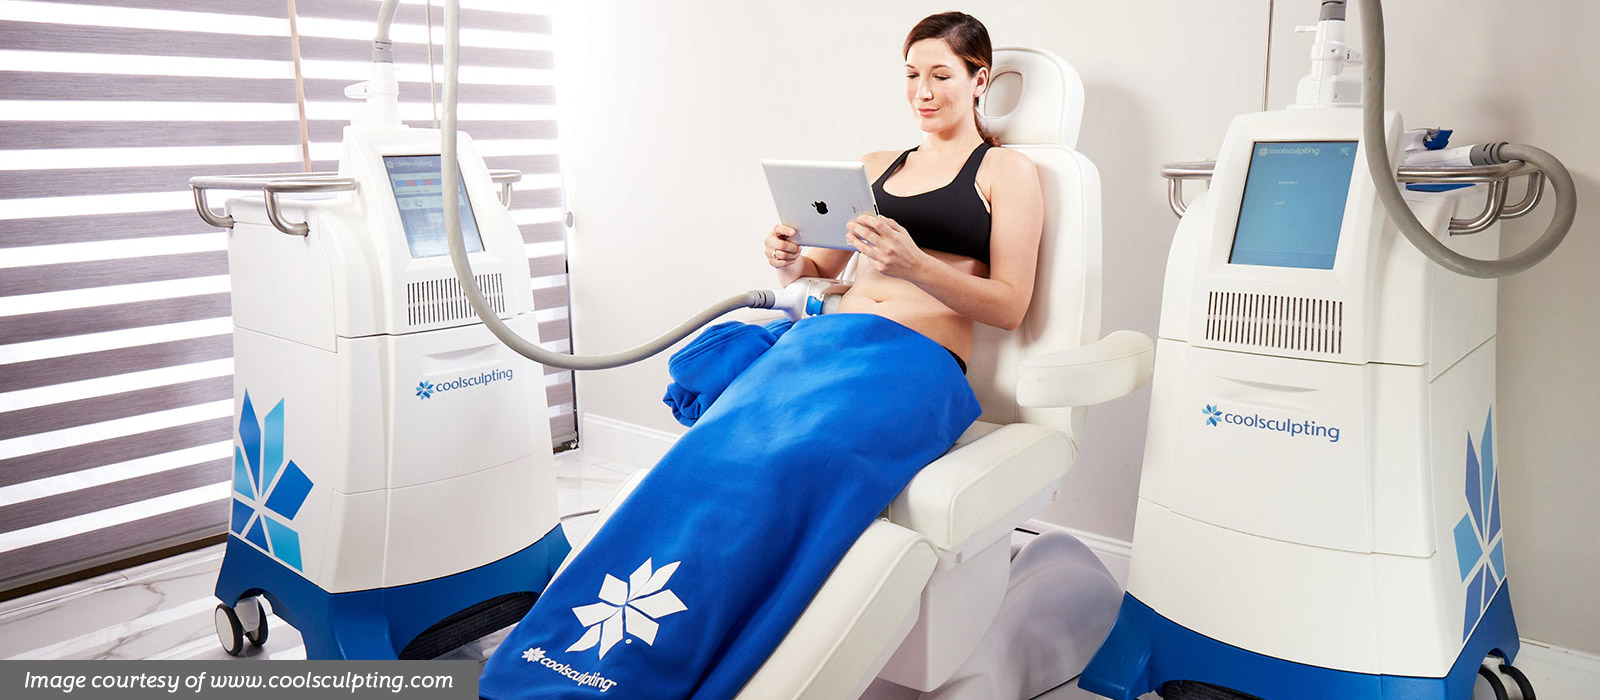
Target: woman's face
{"points": [[939, 87]]}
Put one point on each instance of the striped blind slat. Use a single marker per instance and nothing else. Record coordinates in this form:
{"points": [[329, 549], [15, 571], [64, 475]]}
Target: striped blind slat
{"points": [[100, 409], [471, 93], [322, 48], [66, 182], [565, 424], [115, 350], [252, 8], [151, 134], [19, 85], [92, 455], [332, 131], [549, 297], [545, 232], [473, 16], [40, 511], [547, 266], [106, 273], [559, 394], [554, 330], [55, 230], [61, 556], [112, 317], [37, 36], [75, 368], [89, 134]]}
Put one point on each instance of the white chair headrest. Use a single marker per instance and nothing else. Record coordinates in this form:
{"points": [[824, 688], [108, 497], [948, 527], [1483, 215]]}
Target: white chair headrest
{"points": [[1034, 98]]}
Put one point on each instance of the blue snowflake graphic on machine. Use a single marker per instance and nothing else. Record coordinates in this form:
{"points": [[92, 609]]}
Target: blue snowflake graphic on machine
{"points": [[1480, 549], [267, 490]]}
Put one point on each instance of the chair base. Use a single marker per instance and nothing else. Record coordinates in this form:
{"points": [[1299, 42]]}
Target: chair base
{"points": [[1058, 607]]}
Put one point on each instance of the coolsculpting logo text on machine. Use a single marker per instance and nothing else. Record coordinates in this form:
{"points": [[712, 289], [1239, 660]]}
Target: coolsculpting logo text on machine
{"points": [[1295, 428], [426, 389]]}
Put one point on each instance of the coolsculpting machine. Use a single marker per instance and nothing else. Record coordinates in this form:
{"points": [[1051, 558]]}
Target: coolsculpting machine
{"points": [[1319, 512], [393, 494]]}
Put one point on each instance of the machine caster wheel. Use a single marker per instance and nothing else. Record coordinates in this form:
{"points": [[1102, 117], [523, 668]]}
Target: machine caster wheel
{"points": [[246, 621], [1516, 675], [229, 630], [1495, 684], [254, 619]]}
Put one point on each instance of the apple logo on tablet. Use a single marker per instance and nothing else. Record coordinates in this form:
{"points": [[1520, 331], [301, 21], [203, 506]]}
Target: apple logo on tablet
{"points": [[822, 207]]}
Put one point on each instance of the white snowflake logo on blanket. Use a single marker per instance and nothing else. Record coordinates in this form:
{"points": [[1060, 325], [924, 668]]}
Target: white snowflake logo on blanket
{"points": [[631, 607]]}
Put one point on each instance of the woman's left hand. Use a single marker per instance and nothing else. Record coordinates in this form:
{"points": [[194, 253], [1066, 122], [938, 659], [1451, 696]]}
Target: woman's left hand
{"points": [[887, 245]]}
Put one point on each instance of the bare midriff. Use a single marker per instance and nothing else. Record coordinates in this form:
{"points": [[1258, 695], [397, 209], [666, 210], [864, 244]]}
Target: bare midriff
{"points": [[907, 304]]}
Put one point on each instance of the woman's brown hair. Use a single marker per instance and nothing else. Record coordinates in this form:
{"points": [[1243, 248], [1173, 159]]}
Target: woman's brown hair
{"points": [[968, 39]]}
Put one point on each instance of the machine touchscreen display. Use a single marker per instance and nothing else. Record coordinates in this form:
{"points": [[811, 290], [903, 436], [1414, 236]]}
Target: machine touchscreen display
{"points": [[418, 191], [1293, 206]]}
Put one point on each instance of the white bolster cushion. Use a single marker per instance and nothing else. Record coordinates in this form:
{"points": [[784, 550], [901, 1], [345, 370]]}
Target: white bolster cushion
{"points": [[1111, 367], [861, 613], [974, 485]]}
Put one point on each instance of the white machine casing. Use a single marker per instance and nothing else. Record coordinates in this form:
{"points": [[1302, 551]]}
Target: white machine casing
{"points": [[346, 328], [1335, 549]]}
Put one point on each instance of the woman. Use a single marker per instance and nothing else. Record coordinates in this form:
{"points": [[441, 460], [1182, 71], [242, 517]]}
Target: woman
{"points": [[700, 573], [958, 236]]}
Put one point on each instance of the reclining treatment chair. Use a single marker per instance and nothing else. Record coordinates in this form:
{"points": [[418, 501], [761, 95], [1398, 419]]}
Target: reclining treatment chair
{"points": [[914, 595]]}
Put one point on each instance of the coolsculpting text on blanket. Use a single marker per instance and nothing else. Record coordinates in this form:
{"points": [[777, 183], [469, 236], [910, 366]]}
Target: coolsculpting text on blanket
{"points": [[697, 577]]}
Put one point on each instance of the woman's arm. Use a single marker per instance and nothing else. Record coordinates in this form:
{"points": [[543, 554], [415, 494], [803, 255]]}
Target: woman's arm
{"points": [[784, 255], [1017, 221]]}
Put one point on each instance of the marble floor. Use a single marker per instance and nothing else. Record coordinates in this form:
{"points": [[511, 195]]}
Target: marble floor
{"points": [[163, 609]]}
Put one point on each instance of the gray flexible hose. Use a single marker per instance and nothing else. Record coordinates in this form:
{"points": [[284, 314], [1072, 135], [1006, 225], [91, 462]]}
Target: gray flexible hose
{"points": [[758, 299], [1566, 193]]}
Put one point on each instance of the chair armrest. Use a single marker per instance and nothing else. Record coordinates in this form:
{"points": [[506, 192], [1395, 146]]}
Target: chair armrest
{"points": [[1109, 368], [974, 487]]}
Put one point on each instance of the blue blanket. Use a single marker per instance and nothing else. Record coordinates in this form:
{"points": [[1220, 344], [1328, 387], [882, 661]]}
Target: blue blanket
{"points": [[697, 577], [704, 369]]}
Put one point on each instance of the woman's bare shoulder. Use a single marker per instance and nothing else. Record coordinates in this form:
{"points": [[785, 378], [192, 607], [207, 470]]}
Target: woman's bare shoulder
{"points": [[1009, 163], [878, 161], [1004, 169]]}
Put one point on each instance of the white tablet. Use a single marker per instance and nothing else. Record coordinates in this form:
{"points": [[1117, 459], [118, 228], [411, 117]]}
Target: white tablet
{"points": [[817, 198]]}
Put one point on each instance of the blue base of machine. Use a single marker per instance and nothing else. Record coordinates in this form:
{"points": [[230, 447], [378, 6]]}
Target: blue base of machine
{"points": [[380, 622], [1146, 650]]}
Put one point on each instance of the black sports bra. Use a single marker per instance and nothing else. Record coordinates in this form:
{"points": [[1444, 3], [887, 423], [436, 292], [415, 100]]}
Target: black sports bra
{"points": [[952, 218]]}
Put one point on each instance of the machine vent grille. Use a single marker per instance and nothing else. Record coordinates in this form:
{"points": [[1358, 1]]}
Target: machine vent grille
{"points": [[437, 301], [1275, 321]]}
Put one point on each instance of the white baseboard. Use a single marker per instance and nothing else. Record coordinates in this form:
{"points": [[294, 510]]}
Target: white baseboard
{"points": [[624, 443]]}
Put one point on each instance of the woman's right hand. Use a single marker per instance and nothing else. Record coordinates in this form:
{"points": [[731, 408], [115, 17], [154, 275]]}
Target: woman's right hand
{"points": [[782, 252]]}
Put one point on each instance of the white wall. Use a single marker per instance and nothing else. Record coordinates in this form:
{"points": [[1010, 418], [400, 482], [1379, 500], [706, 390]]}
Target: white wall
{"points": [[672, 105]]}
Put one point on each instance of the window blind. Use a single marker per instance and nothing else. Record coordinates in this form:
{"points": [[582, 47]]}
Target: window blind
{"points": [[115, 338]]}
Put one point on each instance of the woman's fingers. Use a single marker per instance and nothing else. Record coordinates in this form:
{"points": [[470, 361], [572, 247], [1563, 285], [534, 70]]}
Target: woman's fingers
{"points": [[780, 251], [861, 244], [866, 233]]}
